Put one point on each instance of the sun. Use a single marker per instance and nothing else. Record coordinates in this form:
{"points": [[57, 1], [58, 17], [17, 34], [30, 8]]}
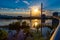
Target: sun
{"points": [[35, 11]]}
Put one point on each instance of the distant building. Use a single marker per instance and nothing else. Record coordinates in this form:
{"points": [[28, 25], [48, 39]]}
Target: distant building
{"points": [[59, 14], [48, 12], [55, 21], [55, 14]]}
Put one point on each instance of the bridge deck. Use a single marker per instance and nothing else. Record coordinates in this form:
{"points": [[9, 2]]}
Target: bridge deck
{"points": [[29, 18]]}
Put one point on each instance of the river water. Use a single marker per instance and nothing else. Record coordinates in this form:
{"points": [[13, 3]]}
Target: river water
{"points": [[33, 22]]}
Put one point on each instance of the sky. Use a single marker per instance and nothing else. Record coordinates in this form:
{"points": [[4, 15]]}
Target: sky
{"points": [[24, 5]]}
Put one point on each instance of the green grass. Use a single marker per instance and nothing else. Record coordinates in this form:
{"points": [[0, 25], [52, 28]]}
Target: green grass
{"points": [[37, 36]]}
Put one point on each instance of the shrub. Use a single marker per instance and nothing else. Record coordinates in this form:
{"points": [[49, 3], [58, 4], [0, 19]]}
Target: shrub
{"points": [[3, 35]]}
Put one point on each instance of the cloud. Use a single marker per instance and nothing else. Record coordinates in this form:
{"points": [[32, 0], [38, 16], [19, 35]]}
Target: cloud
{"points": [[35, 6], [4, 9], [12, 10], [16, 1], [26, 2]]}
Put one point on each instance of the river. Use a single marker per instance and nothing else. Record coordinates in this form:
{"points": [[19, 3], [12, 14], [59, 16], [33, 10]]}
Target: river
{"points": [[33, 22]]}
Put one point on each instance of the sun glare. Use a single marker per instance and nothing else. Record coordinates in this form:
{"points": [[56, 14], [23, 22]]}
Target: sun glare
{"points": [[35, 11], [36, 23]]}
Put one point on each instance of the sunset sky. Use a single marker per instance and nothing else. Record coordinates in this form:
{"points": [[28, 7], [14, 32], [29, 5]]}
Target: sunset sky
{"points": [[24, 5]]}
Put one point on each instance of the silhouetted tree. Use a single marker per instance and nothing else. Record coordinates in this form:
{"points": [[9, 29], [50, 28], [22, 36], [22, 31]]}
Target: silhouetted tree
{"points": [[14, 25], [25, 25], [27, 31]]}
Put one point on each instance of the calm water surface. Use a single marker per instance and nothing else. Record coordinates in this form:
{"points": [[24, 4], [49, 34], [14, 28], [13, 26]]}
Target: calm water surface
{"points": [[33, 22]]}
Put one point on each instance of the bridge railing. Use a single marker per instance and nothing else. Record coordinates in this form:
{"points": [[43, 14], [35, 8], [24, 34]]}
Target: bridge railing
{"points": [[56, 34]]}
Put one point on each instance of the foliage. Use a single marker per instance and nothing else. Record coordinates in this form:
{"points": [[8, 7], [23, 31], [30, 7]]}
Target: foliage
{"points": [[25, 26], [14, 26], [37, 36], [3, 35]]}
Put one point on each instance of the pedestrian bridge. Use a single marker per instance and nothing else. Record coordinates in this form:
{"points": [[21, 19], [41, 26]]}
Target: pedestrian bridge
{"points": [[56, 34]]}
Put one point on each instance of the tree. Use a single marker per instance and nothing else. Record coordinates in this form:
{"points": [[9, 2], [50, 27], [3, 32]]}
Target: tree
{"points": [[14, 25], [25, 25]]}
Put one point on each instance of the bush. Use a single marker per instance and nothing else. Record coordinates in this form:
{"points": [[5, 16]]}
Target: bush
{"points": [[3, 35]]}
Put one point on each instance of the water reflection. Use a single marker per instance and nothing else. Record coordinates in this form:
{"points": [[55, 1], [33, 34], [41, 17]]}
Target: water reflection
{"points": [[6, 22], [35, 22]]}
